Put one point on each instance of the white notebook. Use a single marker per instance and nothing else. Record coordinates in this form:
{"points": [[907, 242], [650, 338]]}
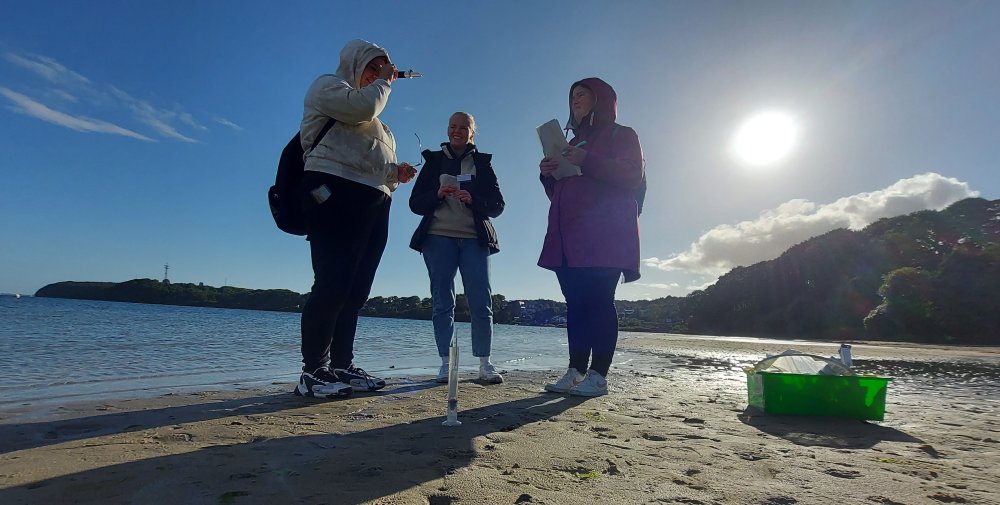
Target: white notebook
{"points": [[553, 142]]}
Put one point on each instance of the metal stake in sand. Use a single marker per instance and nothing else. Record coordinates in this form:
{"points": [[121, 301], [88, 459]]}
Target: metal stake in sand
{"points": [[452, 419]]}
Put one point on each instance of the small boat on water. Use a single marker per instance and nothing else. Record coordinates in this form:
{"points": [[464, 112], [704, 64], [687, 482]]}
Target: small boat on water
{"points": [[17, 295]]}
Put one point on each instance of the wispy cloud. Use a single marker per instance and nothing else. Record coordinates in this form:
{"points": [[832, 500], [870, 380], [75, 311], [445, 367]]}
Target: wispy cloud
{"points": [[774, 231], [47, 68], [29, 107], [99, 99], [63, 96], [672, 285], [154, 118], [225, 122], [189, 120]]}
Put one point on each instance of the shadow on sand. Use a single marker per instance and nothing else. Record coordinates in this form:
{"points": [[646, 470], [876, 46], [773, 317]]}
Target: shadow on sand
{"points": [[835, 432], [20, 436], [334, 468]]}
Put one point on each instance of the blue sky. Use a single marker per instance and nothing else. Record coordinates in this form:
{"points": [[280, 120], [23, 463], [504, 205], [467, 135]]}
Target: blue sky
{"points": [[136, 134]]}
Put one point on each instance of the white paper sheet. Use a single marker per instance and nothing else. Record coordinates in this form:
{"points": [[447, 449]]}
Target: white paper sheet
{"points": [[553, 142]]}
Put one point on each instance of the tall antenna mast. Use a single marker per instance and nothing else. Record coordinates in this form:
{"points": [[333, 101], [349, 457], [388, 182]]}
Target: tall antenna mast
{"points": [[166, 268]]}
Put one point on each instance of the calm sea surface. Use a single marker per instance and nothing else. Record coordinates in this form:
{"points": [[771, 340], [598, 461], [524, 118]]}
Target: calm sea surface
{"points": [[58, 348], [54, 350]]}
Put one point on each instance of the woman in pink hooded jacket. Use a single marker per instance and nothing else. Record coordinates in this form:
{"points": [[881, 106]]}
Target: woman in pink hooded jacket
{"points": [[592, 239]]}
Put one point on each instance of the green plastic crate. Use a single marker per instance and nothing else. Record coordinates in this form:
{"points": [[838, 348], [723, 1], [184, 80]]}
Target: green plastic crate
{"points": [[855, 396]]}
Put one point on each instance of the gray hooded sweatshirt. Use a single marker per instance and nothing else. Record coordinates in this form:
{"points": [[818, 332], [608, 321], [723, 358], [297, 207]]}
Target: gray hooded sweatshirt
{"points": [[358, 147]]}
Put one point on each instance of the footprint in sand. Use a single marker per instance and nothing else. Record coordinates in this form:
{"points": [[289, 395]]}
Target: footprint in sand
{"points": [[780, 500], [440, 499], [843, 474], [948, 498]]}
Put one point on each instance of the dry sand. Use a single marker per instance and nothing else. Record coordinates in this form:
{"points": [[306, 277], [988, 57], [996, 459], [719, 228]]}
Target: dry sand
{"points": [[674, 429]]}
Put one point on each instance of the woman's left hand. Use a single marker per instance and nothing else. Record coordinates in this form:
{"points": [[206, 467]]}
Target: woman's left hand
{"points": [[575, 155], [405, 172], [463, 196]]}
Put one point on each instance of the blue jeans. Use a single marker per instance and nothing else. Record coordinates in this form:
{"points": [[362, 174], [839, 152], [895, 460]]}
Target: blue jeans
{"points": [[443, 257]]}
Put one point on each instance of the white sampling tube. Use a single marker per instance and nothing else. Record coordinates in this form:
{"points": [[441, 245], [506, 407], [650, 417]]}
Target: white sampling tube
{"points": [[452, 419], [845, 355]]}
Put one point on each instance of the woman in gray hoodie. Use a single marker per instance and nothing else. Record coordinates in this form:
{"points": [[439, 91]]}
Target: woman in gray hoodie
{"points": [[346, 193]]}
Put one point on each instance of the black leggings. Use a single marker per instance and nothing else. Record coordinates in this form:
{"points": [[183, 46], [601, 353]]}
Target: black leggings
{"points": [[591, 317], [347, 234]]}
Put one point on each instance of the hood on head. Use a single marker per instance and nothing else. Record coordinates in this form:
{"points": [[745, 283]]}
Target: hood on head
{"points": [[605, 110], [355, 56]]}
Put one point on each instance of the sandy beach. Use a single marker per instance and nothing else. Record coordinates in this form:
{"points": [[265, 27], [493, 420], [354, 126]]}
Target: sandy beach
{"points": [[674, 429]]}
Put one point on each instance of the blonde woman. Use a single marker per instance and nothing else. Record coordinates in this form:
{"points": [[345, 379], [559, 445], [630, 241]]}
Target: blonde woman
{"points": [[457, 194]]}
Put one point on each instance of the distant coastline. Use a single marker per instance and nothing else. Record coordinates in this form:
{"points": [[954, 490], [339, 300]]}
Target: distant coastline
{"points": [[927, 277], [168, 293], [519, 312]]}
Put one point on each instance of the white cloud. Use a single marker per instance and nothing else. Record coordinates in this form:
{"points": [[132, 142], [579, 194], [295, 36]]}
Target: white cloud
{"points": [[100, 99], [151, 116], [47, 68], [225, 122], [774, 231], [29, 107], [63, 96], [189, 120], [672, 285]]}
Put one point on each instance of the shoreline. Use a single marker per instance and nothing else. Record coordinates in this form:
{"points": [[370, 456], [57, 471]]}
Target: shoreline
{"points": [[674, 429]]}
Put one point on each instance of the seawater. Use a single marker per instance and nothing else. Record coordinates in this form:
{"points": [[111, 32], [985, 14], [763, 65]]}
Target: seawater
{"points": [[65, 349], [55, 350]]}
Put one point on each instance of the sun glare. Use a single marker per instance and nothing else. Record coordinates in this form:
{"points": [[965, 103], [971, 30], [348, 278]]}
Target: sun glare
{"points": [[765, 138]]}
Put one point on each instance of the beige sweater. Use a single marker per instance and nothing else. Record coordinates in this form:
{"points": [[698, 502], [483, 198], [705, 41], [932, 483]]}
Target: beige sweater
{"points": [[454, 218]]}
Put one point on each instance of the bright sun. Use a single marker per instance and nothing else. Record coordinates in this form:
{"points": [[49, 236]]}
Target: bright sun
{"points": [[765, 138]]}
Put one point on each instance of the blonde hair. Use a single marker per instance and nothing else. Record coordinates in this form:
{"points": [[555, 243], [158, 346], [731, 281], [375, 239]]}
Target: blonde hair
{"points": [[472, 122]]}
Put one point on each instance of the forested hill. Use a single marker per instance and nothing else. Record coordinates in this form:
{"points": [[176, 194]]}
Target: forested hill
{"points": [[930, 276], [167, 293]]}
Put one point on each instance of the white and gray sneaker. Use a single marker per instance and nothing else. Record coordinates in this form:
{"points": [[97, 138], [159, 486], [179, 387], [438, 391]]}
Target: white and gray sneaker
{"points": [[488, 373], [593, 384], [572, 378], [321, 383], [442, 376]]}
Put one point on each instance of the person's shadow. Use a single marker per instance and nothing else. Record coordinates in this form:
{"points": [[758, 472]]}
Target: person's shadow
{"points": [[331, 468], [29, 435]]}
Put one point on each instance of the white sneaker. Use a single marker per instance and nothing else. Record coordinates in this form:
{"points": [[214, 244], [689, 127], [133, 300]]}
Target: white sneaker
{"points": [[490, 374], [442, 376], [593, 384], [572, 378]]}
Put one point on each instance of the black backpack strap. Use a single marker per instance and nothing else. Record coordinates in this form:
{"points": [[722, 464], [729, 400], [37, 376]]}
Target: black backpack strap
{"points": [[322, 133]]}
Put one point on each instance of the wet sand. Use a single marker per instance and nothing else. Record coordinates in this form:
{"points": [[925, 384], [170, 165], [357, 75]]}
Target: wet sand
{"points": [[674, 429]]}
